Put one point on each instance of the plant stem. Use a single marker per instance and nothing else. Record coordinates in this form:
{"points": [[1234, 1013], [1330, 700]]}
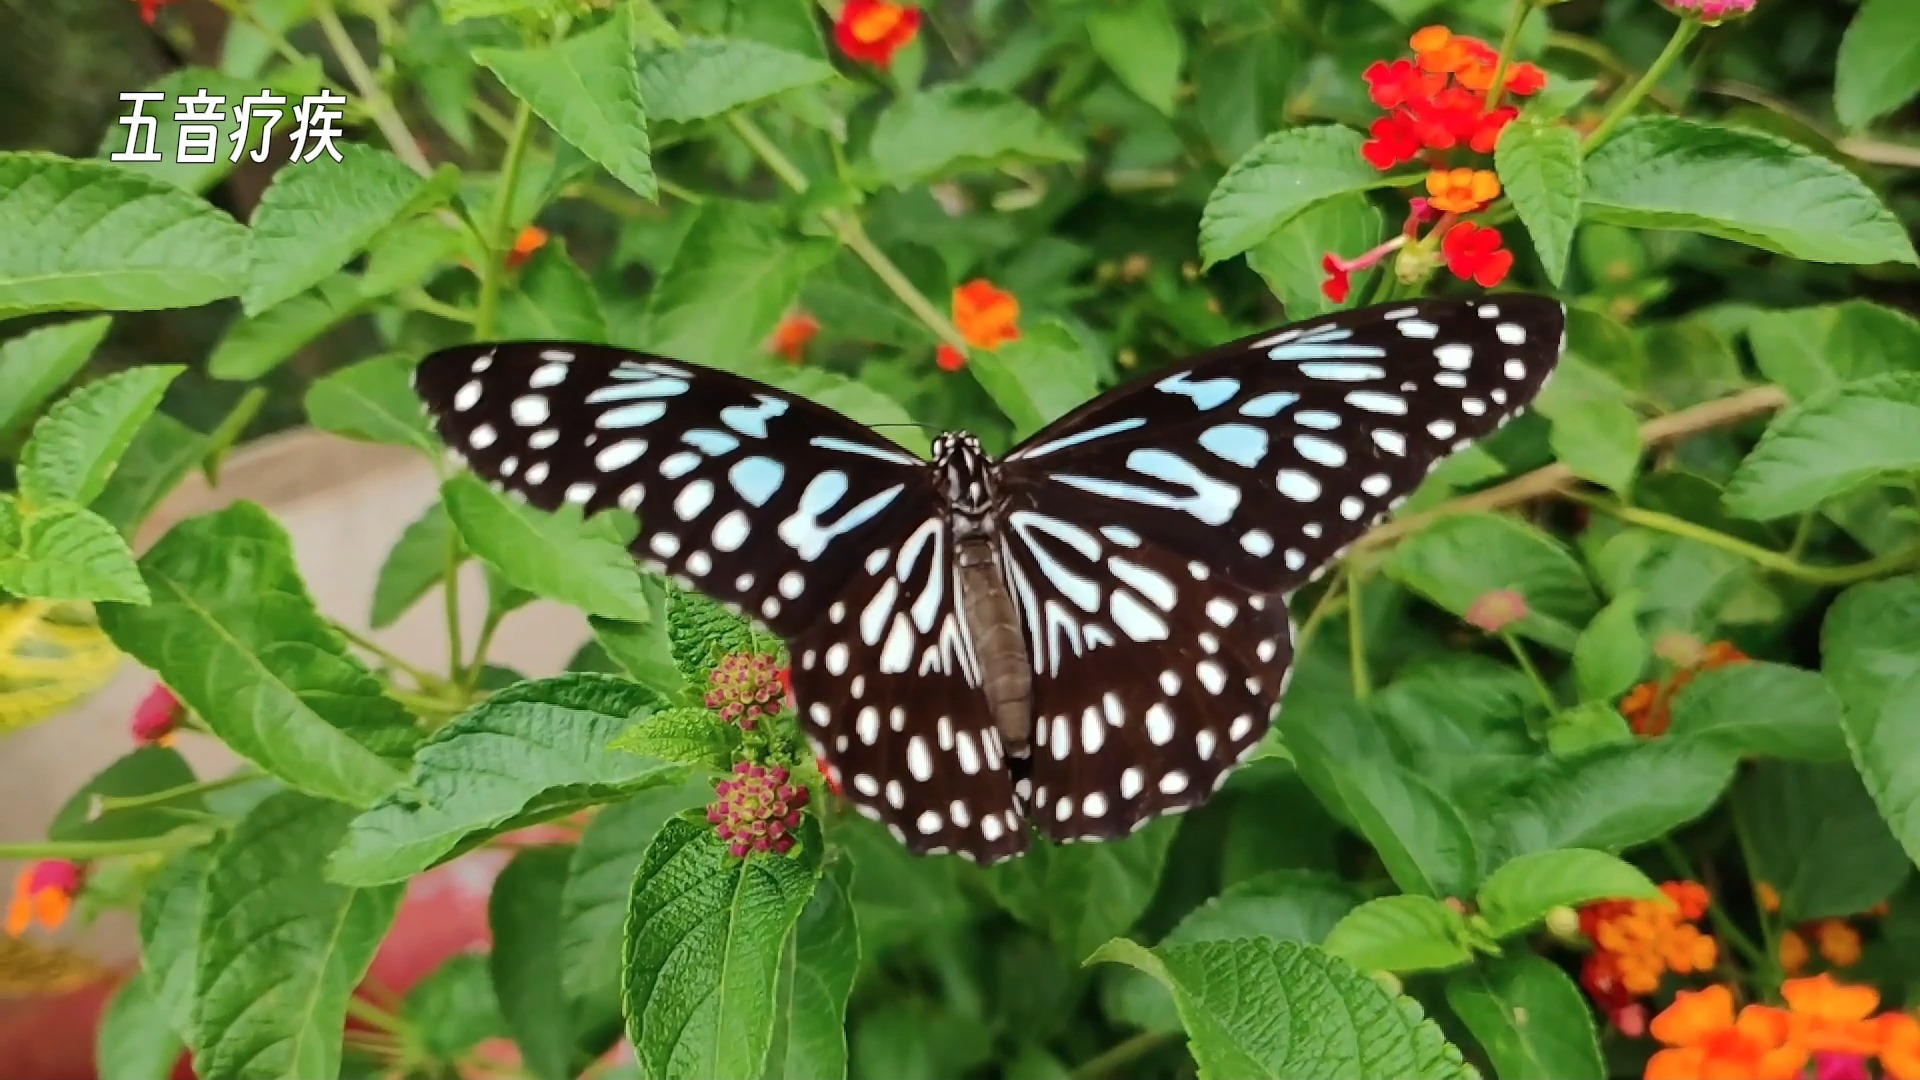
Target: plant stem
{"points": [[80, 850], [424, 678], [1768, 968], [1499, 88], [1765, 558], [107, 804], [241, 11], [1356, 640], [480, 646], [418, 300], [1540, 686], [497, 238], [1332, 602], [1623, 105], [1138, 1046], [379, 106], [450, 587]]}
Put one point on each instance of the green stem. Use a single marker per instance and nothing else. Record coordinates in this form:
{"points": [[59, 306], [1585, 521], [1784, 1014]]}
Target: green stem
{"points": [[237, 9], [1540, 686], [1767, 968], [1357, 640], [757, 141], [378, 105], [1138, 1046], [1765, 558], [418, 300], [1331, 602], [107, 804], [480, 647], [1624, 105], [1499, 89], [82, 850], [498, 239], [450, 587], [387, 656]]}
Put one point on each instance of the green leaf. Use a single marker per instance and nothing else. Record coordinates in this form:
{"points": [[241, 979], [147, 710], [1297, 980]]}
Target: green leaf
{"points": [[1289, 260], [188, 175], [546, 554], [275, 933], [816, 978], [593, 906], [1038, 378], [1142, 43], [161, 455], [523, 912], [1596, 432], [1833, 443], [1810, 349], [454, 1009], [257, 344], [1289, 173], [1525, 888], [371, 401], [170, 914], [1761, 709], [1611, 652], [234, 633], [1878, 69], [587, 88], [1255, 1007], [533, 752], [318, 214], [704, 938], [75, 446], [706, 77], [35, 365], [1401, 934], [1456, 560], [953, 129], [66, 552], [688, 734], [554, 300], [1744, 186], [1610, 797], [409, 254], [641, 649], [417, 563], [1839, 861], [135, 1040], [1113, 883], [144, 772], [1539, 164], [83, 236], [1589, 724], [1529, 1017], [735, 275], [1871, 648]]}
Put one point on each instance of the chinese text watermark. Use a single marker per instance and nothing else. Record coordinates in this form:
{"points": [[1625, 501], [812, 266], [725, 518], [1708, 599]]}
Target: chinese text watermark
{"points": [[201, 119]]}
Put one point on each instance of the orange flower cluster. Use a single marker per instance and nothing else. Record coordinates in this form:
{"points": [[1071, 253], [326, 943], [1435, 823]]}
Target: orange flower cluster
{"points": [[1637, 942], [791, 337], [1837, 940], [44, 893], [530, 239], [986, 315], [1648, 707], [871, 31], [1825, 1020]]}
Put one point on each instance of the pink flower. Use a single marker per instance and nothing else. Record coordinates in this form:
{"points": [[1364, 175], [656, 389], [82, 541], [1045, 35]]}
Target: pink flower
{"points": [[156, 717], [757, 810], [1496, 610], [1710, 12], [745, 689]]}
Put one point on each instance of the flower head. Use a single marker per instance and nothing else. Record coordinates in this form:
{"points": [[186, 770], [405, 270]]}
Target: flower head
{"points": [[44, 893], [1400, 82], [757, 810], [1441, 99], [1637, 942], [156, 717], [1793, 952], [1648, 706], [790, 338], [1473, 252], [1339, 283], [531, 239], [1839, 942], [1828, 1015], [986, 315], [871, 31], [1496, 610], [949, 358], [1705, 1038], [1900, 1046], [745, 688], [1709, 12]]}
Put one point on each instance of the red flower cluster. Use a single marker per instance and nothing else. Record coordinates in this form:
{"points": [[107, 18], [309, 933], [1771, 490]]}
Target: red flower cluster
{"points": [[1637, 942], [745, 688], [871, 31], [757, 810]]}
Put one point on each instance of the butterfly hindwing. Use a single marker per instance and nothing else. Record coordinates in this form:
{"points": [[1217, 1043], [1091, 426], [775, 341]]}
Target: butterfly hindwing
{"points": [[755, 497]]}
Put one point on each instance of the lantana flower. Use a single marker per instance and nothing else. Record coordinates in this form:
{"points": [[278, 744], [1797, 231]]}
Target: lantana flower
{"points": [[871, 31], [156, 717], [1704, 1037], [986, 315], [1709, 12], [529, 240], [44, 893], [791, 337], [757, 809], [1648, 706], [1474, 253], [1496, 609], [745, 688], [1636, 943]]}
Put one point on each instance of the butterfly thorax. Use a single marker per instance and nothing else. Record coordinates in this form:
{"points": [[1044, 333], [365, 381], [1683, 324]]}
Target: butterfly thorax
{"points": [[970, 493]]}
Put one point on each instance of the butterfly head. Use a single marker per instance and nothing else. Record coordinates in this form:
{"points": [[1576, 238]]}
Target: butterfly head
{"points": [[966, 474]]}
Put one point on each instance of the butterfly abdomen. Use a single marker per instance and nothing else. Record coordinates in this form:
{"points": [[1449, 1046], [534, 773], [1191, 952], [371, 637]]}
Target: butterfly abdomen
{"points": [[1006, 676]]}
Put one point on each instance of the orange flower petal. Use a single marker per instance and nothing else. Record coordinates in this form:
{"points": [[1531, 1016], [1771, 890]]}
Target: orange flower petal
{"points": [[1694, 1015], [1824, 997], [1684, 1063]]}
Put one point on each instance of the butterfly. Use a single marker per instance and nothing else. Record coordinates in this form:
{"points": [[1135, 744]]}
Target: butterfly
{"points": [[1079, 637]]}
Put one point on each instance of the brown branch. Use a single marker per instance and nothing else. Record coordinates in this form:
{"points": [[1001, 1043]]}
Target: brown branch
{"points": [[1707, 416]]}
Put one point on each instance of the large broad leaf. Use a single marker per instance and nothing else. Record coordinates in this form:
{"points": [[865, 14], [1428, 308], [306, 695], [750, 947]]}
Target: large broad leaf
{"points": [[1142, 43], [1288, 173], [135, 1040], [318, 214], [372, 401], [280, 947], [1402, 933], [233, 631], [953, 128], [816, 977], [1539, 163], [1289, 260], [587, 88], [1457, 560], [1761, 709], [1596, 432], [1037, 378], [35, 365], [535, 751], [736, 273], [1807, 350], [417, 562], [170, 913], [1610, 797], [1878, 69], [1529, 1017], [1831, 444], [1840, 861], [549, 555], [256, 344], [1113, 883], [160, 456], [75, 446], [1745, 186], [523, 912], [1521, 892], [1259, 1008], [705, 932], [1871, 649], [1611, 652], [65, 552], [708, 76], [89, 237]]}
